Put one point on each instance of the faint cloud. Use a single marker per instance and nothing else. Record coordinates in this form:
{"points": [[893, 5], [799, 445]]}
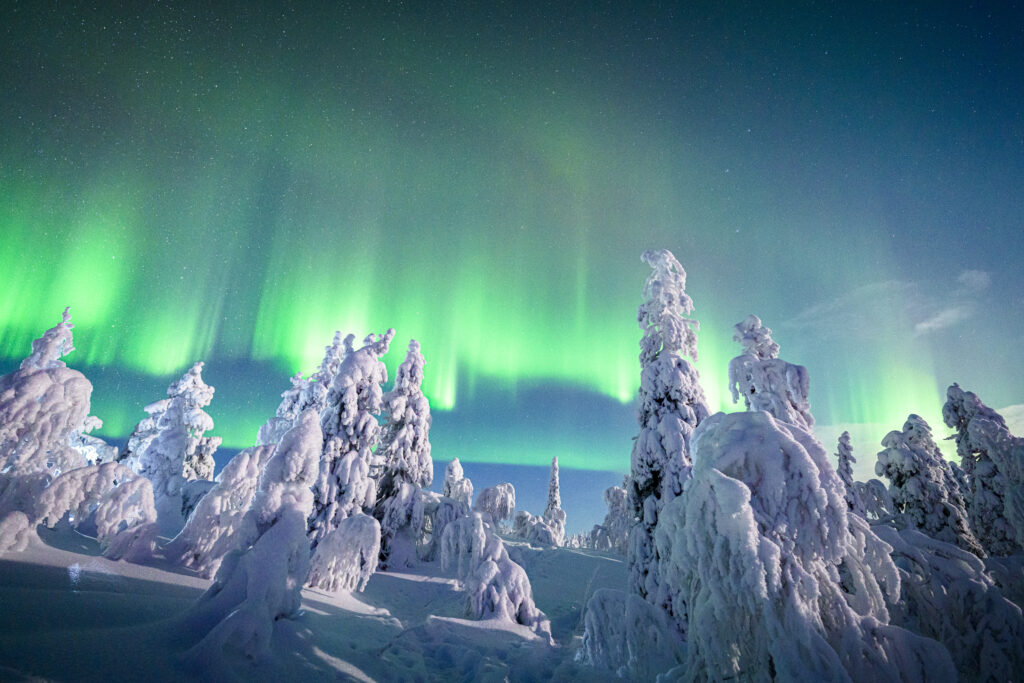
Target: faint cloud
{"points": [[943, 319], [975, 280]]}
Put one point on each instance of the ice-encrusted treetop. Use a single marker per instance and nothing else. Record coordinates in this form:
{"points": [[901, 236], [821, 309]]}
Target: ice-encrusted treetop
{"points": [[662, 316], [755, 338], [55, 343]]}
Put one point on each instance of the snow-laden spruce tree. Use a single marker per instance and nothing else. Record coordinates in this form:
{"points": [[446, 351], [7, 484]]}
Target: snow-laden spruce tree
{"points": [[844, 468], [498, 588], [946, 594], [671, 406], [753, 552], [42, 404], [497, 503], [306, 392], [261, 581], [922, 487], [407, 466], [179, 450], [554, 515], [43, 478], [993, 460], [765, 381], [613, 533], [351, 432], [456, 486], [347, 557], [211, 530]]}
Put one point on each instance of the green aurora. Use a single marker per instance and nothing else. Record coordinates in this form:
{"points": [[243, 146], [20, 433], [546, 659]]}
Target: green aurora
{"points": [[233, 189]]}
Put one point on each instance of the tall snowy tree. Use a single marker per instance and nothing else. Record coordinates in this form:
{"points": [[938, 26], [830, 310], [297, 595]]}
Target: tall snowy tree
{"points": [[671, 406], [844, 456], [921, 486], [993, 460], [764, 380], [407, 466], [554, 515], [753, 552], [179, 450], [351, 432]]}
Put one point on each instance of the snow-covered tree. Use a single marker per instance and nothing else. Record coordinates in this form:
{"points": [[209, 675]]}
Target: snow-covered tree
{"points": [[438, 512], [456, 486], [306, 392], [922, 487], [536, 530], [498, 588], [993, 460], [261, 582], [946, 594], [845, 459], [497, 503], [754, 551], [407, 466], [347, 557], [211, 530], [142, 436], [765, 381], [179, 450], [351, 432], [613, 533], [109, 497], [878, 505], [554, 515], [671, 406], [42, 404]]}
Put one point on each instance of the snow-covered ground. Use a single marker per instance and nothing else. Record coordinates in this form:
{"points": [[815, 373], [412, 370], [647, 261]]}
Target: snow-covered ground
{"points": [[70, 614]]}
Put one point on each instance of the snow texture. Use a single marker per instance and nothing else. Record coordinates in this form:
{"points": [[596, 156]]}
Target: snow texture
{"points": [[261, 582], [178, 451], [347, 557], [142, 436], [211, 530], [946, 595], [456, 486], [628, 636], [671, 406], [844, 468], [765, 381], [497, 503], [350, 430], [498, 588], [923, 489], [752, 554], [993, 460]]}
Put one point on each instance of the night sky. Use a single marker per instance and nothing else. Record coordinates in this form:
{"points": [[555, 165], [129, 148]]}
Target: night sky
{"points": [[234, 184]]}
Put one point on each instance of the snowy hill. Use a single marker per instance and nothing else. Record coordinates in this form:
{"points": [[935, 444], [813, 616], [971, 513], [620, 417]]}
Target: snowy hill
{"points": [[70, 614]]}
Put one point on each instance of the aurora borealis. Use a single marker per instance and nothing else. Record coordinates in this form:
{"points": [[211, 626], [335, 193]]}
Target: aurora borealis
{"points": [[234, 183]]}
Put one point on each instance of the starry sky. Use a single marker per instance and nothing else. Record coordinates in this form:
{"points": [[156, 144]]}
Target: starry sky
{"points": [[234, 183]]}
